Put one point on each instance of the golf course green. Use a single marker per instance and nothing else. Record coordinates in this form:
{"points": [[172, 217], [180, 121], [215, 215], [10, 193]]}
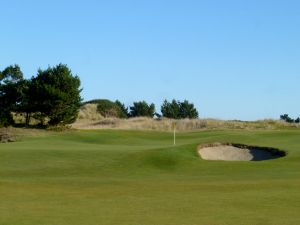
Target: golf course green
{"points": [[112, 177]]}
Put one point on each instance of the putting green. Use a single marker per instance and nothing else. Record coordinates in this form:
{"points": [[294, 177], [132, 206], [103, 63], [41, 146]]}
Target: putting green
{"points": [[140, 178]]}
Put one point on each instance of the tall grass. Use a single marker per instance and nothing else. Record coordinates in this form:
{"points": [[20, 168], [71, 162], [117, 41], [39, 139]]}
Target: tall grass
{"points": [[89, 118], [89, 112], [144, 123]]}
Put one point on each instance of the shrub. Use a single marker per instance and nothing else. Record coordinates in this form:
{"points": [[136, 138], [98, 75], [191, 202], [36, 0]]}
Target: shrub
{"points": [[6, 119], [286, 118], [123, 110], [179, 110], [171, 109], [108, 108], [142, 109]]}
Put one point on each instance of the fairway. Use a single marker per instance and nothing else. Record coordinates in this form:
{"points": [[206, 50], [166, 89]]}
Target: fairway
{"points": [[112, 177]]}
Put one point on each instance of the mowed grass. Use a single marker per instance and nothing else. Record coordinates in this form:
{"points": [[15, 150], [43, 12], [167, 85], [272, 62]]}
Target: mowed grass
{"points": [[140, 178]]}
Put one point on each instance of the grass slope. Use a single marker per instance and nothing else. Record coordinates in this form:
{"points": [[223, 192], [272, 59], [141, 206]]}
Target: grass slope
{"points": [[139, 178]]}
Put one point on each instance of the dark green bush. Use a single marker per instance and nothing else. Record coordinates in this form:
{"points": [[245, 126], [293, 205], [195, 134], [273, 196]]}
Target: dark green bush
{"points": [[6, 118], [179, 110], [142, 109], [108, 108], [286, 118], [55, 94]]}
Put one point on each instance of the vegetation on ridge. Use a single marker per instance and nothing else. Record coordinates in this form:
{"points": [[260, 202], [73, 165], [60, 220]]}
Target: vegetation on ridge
{"points": [[52, 97]]}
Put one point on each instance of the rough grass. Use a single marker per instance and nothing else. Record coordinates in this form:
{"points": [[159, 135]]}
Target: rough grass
{"points": [[89, 119], [89, 112], [143, 123], [111, 177]]}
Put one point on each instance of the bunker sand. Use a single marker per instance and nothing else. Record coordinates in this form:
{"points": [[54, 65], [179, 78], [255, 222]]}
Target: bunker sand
{"points": [[228, 152]]}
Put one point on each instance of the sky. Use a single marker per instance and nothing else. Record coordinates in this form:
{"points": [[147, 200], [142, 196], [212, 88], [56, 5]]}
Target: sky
{"points": [[234, 59]]}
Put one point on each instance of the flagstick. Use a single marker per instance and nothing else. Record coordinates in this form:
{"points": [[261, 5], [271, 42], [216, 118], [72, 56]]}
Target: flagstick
{"points": [[174, 133]]}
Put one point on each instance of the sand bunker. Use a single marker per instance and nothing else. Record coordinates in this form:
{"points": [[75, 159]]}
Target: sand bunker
{"points": [[238, 152]]}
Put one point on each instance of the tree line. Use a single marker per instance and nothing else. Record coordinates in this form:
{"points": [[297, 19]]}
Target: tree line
{"points": [[52, 97], [174, 109], [288, 119]]}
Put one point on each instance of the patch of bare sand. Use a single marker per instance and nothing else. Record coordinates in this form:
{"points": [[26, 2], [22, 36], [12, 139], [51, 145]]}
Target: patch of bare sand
{"points": [[228, 152]]}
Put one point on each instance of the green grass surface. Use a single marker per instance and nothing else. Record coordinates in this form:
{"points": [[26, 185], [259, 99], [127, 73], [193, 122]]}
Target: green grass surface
{"points": [[139, 178]]}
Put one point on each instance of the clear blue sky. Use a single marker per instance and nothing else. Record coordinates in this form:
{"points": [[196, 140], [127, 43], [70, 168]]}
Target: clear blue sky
{"points": [[235, 59]]}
